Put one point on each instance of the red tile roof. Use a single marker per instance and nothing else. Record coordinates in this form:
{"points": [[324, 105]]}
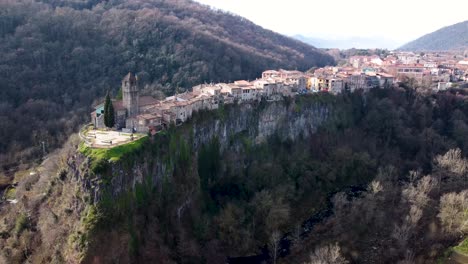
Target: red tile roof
{"points": [[147, 100]]}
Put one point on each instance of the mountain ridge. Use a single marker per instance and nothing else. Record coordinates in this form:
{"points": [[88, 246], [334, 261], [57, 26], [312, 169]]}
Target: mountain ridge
{"points": [[453, 37], [348, 42]]}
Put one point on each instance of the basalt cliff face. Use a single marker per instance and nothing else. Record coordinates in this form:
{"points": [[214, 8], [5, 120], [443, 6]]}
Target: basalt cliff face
{"points": [[256, 122], [170, 162]]}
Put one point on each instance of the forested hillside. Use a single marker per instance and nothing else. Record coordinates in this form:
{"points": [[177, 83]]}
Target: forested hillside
{"points": [[382, 180], [454, 37], [57, 57]]}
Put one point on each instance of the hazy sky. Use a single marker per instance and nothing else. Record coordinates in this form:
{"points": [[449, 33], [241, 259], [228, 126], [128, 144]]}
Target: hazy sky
{"points": [[399, 20]]}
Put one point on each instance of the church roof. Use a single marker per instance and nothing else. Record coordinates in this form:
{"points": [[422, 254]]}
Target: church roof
{"points": [[118, 105]]}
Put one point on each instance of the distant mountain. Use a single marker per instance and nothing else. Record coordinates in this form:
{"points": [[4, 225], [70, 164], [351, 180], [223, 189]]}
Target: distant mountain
{"points": [[348, 43], [57, 56], [454, 37]]}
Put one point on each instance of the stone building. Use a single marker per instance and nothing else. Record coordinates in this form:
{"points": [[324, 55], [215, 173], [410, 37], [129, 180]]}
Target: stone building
{"points": [[130, 95], [128, 108]]}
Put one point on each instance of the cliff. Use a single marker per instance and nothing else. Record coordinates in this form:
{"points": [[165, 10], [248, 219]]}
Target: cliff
{"points": [[257, 122], [182, 162]]}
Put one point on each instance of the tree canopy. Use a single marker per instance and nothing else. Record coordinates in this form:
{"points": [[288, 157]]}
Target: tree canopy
{"points": [[109, 116]]}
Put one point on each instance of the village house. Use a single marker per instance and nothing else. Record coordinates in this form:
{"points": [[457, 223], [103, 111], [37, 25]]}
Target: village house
{"points": [[270, 74], [355, 81], [372, 81], [416, 71], [441, 86], [149, 122], [385, 79]]}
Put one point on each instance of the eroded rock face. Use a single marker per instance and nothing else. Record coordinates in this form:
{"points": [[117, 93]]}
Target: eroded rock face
{"points": [[255, 121]]}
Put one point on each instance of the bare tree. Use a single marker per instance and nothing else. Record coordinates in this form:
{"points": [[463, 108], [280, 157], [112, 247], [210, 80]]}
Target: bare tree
{"points": [[453, 212], [275, 240], [409, 258], [375, 187], [418, 194], [414, 176], [453, 161], [296, 236], [327, 255], [414, 215]]}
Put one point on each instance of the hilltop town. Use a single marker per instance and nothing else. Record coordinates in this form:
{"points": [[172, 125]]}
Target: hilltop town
{"points": [[431, 70], [143, 114]]}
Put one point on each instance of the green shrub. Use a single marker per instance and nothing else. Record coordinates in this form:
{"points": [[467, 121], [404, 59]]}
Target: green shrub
{"points": [[21, 223], [10, 194], [462, 247], [91, 218]]}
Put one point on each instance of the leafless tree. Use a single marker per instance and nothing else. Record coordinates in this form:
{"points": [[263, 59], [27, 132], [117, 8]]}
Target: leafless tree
{"points": [[296, 236], [453, 161], [453, 212], [275, 239], [327, 255], [414, 176], [409, 258], [414, 215], [375, 187], [418, 194]]}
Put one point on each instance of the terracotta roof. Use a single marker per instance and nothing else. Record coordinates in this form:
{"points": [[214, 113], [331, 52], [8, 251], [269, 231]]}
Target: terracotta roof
{"points": [[242, 83], [187, 96], [148, 116], [118, 105], [147, 100]]}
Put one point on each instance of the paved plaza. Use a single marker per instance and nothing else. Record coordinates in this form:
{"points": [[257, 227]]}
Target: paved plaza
{"points": [[107, 139]]}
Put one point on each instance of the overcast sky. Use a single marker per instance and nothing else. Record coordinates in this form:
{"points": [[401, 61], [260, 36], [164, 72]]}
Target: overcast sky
{"points": [[399, 20]]}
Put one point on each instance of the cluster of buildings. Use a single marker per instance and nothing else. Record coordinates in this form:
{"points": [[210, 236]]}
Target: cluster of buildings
{"points": [[143, 114], [434, 70]]}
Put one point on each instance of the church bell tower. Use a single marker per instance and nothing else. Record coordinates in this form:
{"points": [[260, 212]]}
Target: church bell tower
{"points": [[130, 94]]}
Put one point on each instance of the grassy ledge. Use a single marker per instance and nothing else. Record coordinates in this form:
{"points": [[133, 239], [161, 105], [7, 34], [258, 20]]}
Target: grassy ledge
{"points": [[100, 157], [462, 248]]}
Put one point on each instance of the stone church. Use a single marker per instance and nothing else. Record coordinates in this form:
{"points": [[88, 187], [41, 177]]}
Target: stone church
{"points": [[127, 109]]}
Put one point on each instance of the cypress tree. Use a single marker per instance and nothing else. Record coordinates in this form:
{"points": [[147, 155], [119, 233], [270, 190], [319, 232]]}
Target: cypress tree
{"points": [[108, 112], [111, 115]]}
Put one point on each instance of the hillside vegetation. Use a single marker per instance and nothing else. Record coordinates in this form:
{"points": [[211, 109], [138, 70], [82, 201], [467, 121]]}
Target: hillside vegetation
{"points": [[405, 152], [454, 37], [57, 57]]}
